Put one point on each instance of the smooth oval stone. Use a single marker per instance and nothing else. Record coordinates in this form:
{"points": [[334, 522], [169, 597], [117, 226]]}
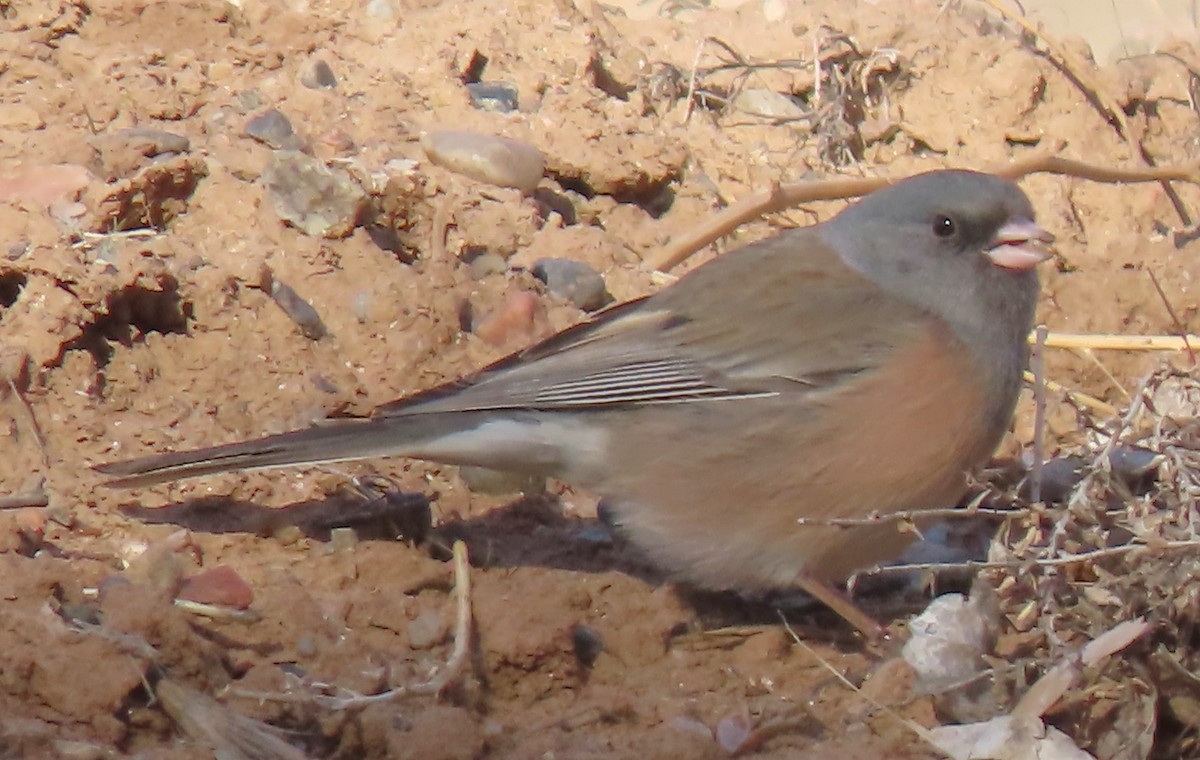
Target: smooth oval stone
{"points": [[573, 280], [496, 160]]}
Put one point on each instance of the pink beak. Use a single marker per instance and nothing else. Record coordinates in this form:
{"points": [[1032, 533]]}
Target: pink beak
{"points": [[1019, 244]]}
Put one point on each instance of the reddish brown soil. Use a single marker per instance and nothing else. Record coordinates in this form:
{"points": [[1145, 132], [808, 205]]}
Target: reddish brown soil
{"points": [[122, 345]]}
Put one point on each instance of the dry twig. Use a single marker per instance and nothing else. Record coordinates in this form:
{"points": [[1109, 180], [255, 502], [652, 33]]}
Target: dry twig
{"points": [[228, 733], [1037, 361], [1077, 397], [908, 515], [782, 197], [1104, 342], [1175, 320]]}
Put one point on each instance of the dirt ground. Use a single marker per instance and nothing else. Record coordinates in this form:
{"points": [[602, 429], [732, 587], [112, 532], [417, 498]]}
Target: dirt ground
{"points": [[137, 316]]}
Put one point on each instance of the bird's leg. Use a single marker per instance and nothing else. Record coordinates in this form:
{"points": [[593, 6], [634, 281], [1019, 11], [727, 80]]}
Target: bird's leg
{"points": [[843, 606]]}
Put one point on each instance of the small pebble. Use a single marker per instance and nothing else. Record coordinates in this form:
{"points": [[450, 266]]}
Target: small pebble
{"points": [[768, 104], [732, 732], [85, 612], [154, 142], [312, 197], [514, 319], [426, 630], [500, 97], [286, 535], [573, 281], [318, 76], [597, 534], [273, 129], [587, 644], [342, 540], [485, 480], [360, 306], [306, 645], [949, 640], [220, 586], [250, 100], [300, 311], [1133, 465], [495, 160], [382, 10], [324, 384]]}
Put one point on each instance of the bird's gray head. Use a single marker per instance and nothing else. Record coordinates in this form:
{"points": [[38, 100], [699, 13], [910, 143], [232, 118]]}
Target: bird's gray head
{"points": [[959, 244]]}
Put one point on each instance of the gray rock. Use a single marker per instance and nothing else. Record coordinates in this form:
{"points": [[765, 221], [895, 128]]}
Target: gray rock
{"points": [[573, 281], [949, 641], [1134, 466], [493, 96], [497, 482], [587, 643], [153, 142], [495, 160], [273, 129], [312, 197], [250, 100], [306, 646], [300, 311], [342, 540], [318, 75]]}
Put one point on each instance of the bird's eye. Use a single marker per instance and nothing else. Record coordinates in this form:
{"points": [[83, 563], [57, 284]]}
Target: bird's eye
{"points": [[944, 226]]}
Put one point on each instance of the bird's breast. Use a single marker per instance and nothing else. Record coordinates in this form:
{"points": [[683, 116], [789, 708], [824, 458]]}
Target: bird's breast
{"points": [[720, 489]]}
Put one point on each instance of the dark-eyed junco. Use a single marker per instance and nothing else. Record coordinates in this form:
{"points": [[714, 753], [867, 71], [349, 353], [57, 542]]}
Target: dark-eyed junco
{"points": [[858, 366]]}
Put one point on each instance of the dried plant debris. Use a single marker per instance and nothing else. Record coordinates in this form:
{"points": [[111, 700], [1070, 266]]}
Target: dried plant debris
{"points": [[840, 94], [228, 733], [1109, 553]]}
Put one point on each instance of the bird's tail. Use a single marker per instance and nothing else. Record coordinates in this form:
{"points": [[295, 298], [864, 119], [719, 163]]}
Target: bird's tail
{"points": [[335, 441]]}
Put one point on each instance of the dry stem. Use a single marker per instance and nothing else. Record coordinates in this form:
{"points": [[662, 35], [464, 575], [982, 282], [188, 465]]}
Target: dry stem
{"points": [[787, 196], [1037, 361]]}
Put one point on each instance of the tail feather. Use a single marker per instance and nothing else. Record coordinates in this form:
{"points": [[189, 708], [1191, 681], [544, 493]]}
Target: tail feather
{"points": [[334, 442]]}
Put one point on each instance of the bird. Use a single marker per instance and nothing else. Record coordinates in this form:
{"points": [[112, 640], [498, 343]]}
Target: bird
{"points": [[745, 421]]}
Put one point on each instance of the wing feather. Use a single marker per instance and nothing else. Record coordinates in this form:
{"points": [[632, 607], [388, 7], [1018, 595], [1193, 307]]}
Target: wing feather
{"points": [[819, 323]]}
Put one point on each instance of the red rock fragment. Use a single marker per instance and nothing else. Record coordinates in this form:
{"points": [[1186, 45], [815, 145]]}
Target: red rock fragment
{"points": [[514, 319], [221, 586]]}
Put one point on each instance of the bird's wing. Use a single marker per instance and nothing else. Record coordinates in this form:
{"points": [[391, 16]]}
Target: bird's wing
{"points": [[785, 315]]}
